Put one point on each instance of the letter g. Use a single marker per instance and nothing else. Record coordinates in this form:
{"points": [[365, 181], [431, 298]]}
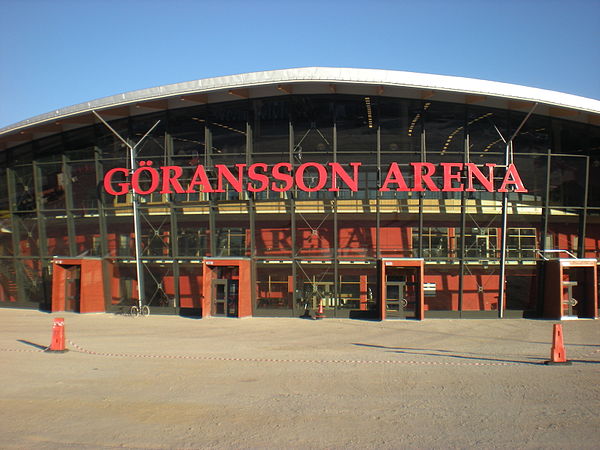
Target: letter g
{"points": [[123, 185]]}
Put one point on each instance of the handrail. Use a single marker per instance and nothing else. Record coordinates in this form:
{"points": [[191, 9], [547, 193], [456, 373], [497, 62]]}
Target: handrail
{"points": [[541, 253]]}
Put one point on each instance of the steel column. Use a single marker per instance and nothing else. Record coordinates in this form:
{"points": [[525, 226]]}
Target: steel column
{"points": [[67, 180], [583, 213]]}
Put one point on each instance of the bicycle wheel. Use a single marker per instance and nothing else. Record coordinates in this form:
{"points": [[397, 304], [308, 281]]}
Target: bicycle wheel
{"points": [[134, 311], [145, 311]]}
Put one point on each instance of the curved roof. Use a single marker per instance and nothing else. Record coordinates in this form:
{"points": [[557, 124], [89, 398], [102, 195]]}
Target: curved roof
{"points": [[312, 80]]}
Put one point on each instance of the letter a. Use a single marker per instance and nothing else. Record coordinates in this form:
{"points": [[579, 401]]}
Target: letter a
{"points": [[512, 177], [199, 179], [394, 175]]}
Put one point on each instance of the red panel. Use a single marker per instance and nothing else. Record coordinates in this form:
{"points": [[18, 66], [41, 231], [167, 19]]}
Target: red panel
{"points": [[363, 293], [245, 296], [480, 292], [190, 290], [274, 241], [207, 276], [553, 290], [245, 284], [92, 286], [418, 265], [58, 288], [446, 298]]}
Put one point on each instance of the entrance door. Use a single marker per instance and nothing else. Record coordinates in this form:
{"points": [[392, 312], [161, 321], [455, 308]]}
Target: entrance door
{"points": [[220, 295], [395, 299], [569, 303], [72, 289]]}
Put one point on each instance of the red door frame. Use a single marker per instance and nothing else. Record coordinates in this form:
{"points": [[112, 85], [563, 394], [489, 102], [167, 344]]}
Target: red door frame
{"points": [[553, 287], [244, 284], [93, 289], [417, 264]]}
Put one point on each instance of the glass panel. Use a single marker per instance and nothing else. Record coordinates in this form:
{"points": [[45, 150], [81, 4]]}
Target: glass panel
{"points": [[85, 187], [186, 128], [190, 286], [480, 288], [274, 287], [192, 241], [79, 144], [228, 128], [521, 243], [33, 285], [231, 242], [53, 186], [273, 240], [271, 128], [438, 242], [24, 188], [592, 238], [314, 236], [49, 149], [521, 288], [445, 295], [156, 231], [487, 128], [400, 122], [4, 203], [444, 125], [563, 229], [26, 228], [119, 225], [535, 135], [481, 243], [313, 128], [567, 181], [357, 289], [88, 236], [8, 281], [395, 238], [57, 237], [315, 284], [110, 145], [356, 126], [154, 143], [159, 285], [356, 240]]}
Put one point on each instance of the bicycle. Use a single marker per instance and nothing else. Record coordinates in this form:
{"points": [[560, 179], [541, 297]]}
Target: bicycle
{"points": [[137, 311]]}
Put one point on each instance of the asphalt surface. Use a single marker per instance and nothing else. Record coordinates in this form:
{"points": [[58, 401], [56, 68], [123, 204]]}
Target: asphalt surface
{"points": [[173, 382]]}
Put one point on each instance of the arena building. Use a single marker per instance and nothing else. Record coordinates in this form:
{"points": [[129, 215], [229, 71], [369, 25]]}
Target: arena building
{"points": [[307, 192]]}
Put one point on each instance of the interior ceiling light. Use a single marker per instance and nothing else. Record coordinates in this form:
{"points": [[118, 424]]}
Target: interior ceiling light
{"points": [[491, 144], [413, 123], [451, 136], [226, 127], [416, 119], [369, 112]]}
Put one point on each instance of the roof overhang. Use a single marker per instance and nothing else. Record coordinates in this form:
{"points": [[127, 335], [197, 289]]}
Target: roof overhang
{"points": [[307, 80]]}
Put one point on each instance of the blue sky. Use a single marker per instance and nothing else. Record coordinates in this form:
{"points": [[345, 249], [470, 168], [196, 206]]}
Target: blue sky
{"points": [[58, 53]]}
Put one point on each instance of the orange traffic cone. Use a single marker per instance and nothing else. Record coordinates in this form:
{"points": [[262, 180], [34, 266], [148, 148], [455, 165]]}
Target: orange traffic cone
{"points": [[320, 313], [558, 355], [58, 336]]}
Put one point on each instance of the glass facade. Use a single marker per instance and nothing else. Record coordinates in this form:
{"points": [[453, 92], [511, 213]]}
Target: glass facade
{"points": [[305, 246]]}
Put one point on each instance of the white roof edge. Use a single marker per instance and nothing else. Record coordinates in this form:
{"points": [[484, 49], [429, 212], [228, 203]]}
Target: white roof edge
{"points": [[333, 75]]}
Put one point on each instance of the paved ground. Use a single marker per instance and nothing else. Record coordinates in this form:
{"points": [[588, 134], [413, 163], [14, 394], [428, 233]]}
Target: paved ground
{"points": [[172, 382]]}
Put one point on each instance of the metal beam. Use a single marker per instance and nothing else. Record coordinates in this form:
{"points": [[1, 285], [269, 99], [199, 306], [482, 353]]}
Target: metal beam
{"points": [[136, 212], [508, 159]]}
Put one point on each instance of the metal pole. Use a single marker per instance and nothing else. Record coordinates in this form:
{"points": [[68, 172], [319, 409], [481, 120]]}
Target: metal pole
{"points": [[501, 287], [136, 213], [583, 213], [137, 233], [508, 157]]}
